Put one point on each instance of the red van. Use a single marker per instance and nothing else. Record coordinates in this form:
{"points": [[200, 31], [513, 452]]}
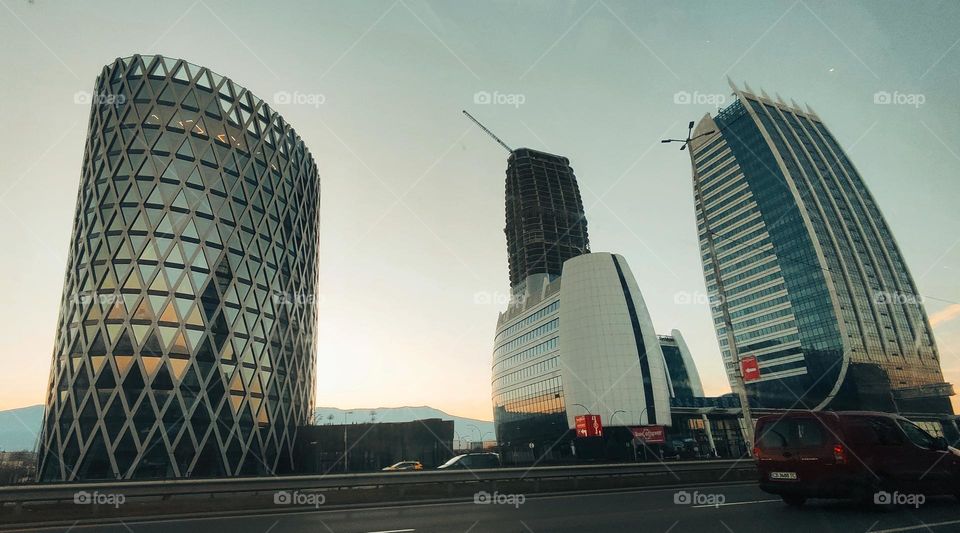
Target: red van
{"points": [[854, 454]]}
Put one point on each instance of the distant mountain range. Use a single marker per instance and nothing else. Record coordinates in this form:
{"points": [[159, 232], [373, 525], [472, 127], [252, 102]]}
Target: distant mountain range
{"points": [[19, 427]]}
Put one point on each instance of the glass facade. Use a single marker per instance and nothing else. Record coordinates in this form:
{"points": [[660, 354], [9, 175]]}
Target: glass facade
{"points": [[528, 400], [814, 283], [186, 339], [677, 374]]}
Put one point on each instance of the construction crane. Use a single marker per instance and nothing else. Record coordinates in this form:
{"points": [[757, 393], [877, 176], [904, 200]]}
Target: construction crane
{"points": [[490, 133]]}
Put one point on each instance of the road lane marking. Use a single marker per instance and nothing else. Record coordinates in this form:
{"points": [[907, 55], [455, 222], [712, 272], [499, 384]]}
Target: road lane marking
{"points": [[919, 526], [392, 531], [735, 503]]}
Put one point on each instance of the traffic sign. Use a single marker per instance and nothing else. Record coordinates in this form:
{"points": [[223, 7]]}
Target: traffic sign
{"points": [[749, 368], [589, 426]]}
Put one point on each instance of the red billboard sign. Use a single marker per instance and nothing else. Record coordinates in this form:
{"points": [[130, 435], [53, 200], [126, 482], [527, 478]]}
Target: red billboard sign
{"points": [[589, 426], [749, 369], [650, 434]]}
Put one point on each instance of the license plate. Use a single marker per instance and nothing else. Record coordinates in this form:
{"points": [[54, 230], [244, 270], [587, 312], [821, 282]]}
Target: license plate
{"points": [[783, 475]]}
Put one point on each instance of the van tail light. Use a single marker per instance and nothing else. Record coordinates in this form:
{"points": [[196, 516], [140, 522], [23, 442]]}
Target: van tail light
{"points": [[756, 452], [839, 454]]}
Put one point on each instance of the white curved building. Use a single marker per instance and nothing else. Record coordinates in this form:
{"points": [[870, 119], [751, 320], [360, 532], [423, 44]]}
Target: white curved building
{"points": [[682, 374], [580, 343], [610, 357]]}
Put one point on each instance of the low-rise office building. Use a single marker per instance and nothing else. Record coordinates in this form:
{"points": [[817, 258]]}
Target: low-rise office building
{"points": [[371, 446]]}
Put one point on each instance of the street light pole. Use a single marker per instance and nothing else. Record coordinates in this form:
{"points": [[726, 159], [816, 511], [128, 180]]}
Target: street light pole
{"points": [[632, 438], [640, 421], [721, 298], [345, 450], [474, 426], [584, 408], [615, 413]]}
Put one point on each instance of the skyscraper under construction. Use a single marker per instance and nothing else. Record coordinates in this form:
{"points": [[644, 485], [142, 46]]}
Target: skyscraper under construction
{"points": [[545, 220]]}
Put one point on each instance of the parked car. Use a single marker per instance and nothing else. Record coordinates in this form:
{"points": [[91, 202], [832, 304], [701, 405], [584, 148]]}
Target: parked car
{"points": [[856, 454], [473, 460], [681, 449], [404, 466]]}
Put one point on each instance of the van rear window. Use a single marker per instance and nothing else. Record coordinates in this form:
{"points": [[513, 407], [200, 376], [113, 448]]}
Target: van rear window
{"points": [[791, 433]]}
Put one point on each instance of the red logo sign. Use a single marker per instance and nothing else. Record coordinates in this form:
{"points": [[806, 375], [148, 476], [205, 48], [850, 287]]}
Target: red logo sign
{"points": [[650, 434], [749, 369], [589, 426]]}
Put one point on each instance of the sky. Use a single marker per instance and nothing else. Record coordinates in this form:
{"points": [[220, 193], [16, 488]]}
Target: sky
{"points": [[413, 264]]}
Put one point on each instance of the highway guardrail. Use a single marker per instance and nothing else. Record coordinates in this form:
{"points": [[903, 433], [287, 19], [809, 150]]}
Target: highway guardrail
{"points": [[45, 502]]}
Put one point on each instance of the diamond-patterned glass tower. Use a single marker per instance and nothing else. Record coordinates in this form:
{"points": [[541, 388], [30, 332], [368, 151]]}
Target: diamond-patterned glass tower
{"points": [[186, 339]]}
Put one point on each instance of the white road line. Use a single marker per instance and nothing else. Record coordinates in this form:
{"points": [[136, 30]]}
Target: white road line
{"points": [[392, 531], [914, 528], [735, 503]]}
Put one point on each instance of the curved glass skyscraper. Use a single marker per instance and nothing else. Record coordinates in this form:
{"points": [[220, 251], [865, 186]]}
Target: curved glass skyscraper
{"points": [[814, 282], [185, 344]]}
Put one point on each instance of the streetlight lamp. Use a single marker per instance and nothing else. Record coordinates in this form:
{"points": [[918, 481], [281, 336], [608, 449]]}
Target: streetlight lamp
{"points": [[479, 434], [718, 279], [582, 406]]}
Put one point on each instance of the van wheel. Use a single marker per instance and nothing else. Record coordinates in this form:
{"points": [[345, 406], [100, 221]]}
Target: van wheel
{"points": [[793, 500]]}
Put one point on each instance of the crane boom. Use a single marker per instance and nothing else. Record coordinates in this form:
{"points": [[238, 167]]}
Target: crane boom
{"points": [[488, 132]]}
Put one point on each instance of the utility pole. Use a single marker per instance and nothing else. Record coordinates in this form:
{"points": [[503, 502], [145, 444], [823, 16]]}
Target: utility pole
{"points": [[346, 451], [739, 384]]}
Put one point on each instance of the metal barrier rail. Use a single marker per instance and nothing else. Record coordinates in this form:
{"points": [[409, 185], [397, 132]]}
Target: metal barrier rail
{"points": [[20, 494]]}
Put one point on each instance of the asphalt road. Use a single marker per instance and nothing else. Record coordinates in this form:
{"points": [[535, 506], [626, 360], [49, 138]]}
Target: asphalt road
{"points": [[735, 508]]}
